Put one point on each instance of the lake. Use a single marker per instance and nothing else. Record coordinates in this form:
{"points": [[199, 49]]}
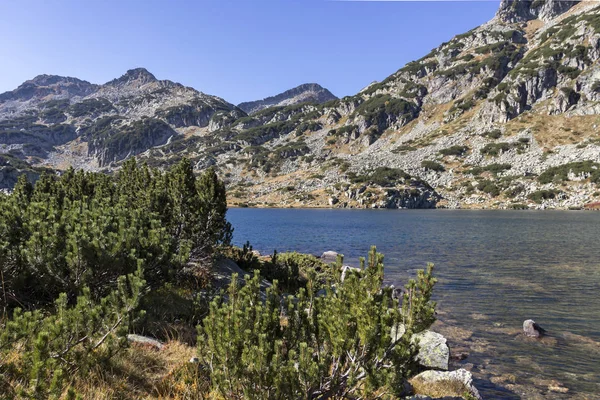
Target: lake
{"points": [[495, 269]]}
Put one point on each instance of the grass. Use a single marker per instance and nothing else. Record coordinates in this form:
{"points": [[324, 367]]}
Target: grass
{"points": [[141, 372]]}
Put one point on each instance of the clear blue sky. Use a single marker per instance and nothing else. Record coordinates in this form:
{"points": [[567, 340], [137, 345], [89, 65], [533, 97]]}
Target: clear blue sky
{"points": [[239, 50]]}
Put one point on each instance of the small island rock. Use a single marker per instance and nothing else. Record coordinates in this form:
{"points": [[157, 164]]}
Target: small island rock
{"points": [[531, 329]]}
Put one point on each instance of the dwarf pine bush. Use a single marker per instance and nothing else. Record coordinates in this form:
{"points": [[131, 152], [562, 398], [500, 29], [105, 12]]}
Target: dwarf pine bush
{"points": [[337, 343]]}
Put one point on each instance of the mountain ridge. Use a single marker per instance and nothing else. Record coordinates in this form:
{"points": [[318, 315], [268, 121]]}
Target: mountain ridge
{"points": [[502, 116]]}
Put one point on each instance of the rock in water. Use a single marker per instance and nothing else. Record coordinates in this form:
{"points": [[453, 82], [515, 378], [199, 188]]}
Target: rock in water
{"points": [[531, 329], [461, 376], [433, 350]]}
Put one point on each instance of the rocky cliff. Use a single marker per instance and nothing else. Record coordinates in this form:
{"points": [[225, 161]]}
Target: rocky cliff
{"points": [[506, 115], [307, 93]]}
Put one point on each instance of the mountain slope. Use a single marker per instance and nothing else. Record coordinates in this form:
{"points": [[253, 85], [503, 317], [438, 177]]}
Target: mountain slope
{"points": [[506, 115], [307, 93]]}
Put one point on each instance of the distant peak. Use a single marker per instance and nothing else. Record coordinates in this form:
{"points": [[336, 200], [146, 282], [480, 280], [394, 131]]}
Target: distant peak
{"points": [[526, 10], [307, 92], [48, 80], [138, 75]]}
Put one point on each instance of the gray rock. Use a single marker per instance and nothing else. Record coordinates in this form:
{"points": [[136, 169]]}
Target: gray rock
{"points": [[522, 11], [433, 350], [463, 376], [531, 329], [145, 341], [329, 256]]}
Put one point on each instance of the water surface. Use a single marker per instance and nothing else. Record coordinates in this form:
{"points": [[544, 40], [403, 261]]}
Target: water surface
{"points": [[495, 269]]}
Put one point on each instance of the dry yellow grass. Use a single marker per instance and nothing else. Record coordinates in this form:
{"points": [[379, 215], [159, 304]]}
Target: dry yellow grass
{"points": [[142, 372], [556, 130]]}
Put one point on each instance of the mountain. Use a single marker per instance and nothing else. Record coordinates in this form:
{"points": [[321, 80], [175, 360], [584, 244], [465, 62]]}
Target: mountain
{"points": [[59, 121], [506, 115], [307, 93]]}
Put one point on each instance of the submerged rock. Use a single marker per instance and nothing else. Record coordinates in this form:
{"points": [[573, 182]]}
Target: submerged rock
{"points": [[531, 329]]}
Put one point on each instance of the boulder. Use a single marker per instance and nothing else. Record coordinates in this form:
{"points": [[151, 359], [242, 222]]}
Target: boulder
{"points": [[531, 329], [329, 256], [433, 350], [462, 376]]}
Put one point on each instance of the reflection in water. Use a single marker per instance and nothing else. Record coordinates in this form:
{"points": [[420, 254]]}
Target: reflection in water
{"points": [[495, 270]]}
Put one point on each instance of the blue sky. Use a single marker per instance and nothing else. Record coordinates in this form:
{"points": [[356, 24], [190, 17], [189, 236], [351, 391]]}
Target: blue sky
{"points": [[240, 50]]}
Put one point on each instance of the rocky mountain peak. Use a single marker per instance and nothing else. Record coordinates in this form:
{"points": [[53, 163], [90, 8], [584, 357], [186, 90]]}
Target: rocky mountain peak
{"points": [[139, 76], [526, 10], [42, 86], [308, 92]]}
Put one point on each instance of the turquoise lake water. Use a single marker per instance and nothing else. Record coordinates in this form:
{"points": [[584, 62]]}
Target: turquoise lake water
{"points": [[495, 270]]}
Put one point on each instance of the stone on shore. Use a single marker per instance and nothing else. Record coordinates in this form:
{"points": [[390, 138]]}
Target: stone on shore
{"points": [[461, 377], [531, 329], [329, 256], [433, 350]]}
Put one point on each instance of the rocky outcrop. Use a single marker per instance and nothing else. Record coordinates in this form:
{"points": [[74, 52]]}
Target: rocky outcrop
{"points": [[526, 10], [307, 93]]}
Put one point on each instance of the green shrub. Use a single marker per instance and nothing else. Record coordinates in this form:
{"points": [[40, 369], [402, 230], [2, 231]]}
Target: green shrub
{"points": [[454, 151], [542, 195], [489, 187], [91, 107], [334, 345], [383, 176], [493, 168], [519, 207], [494, 149], [493, 134], [561, 172], [87, 229], [432, 166], [380, 108]]}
